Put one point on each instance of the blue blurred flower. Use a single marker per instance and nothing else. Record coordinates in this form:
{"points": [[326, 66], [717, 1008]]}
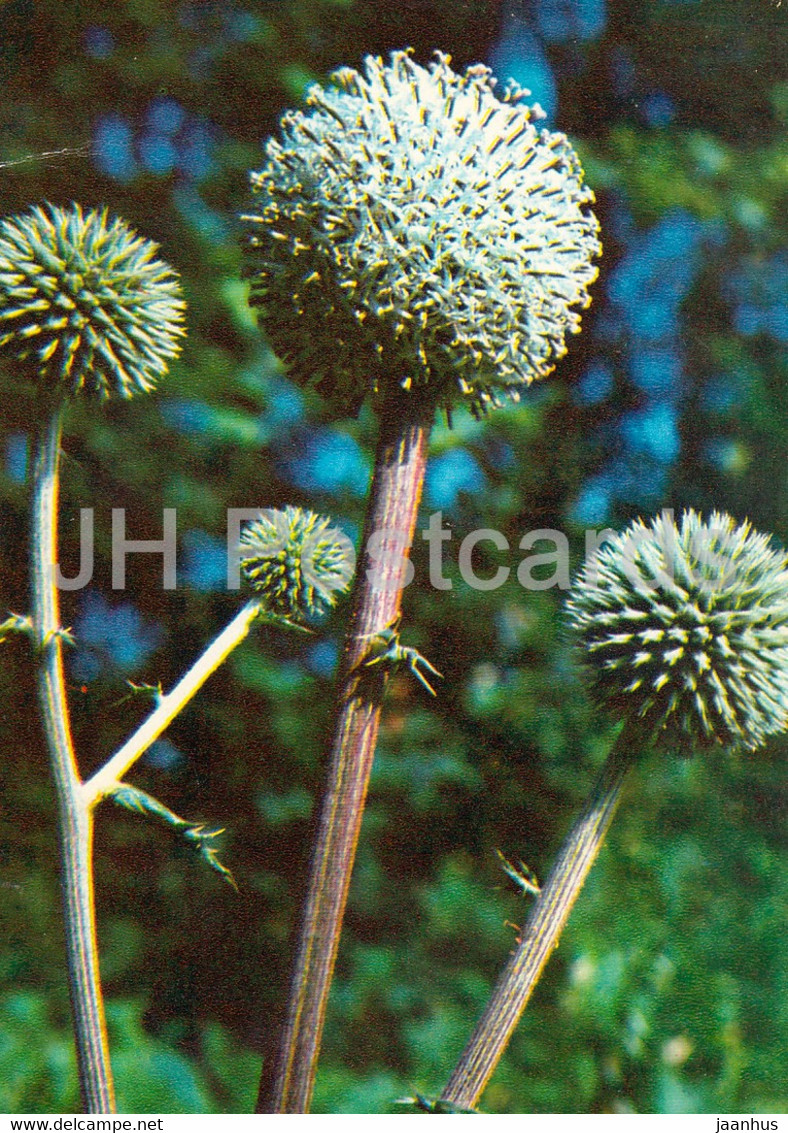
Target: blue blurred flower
{"points": [[204, 561], [165, 116], [519, 55], [284, 407], [195, 151], [653, 431], [658, 108], [17, 455], [163, 755], [449, 474], [595, 385], [636, 479], [240, 26], [593, 505], [322, 657], [172, 139], [111, 637], [642, 330], [323, 461], [187, 416], [114, 147], [657, 370], [720, 393], [562, 20], [759, 292], [157, 153], [98, 42], [656, 273]]}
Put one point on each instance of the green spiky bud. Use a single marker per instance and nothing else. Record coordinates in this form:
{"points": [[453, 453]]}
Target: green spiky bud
{"points": [[297, 562], [414, 228], [685, 629], [85, 304]]}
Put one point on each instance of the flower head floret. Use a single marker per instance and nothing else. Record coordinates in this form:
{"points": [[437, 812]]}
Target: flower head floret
{"points": [[413, 227], [85, 304], [685, 629], [296, 561]]}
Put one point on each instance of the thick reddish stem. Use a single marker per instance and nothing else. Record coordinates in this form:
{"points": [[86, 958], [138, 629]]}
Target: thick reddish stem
{"points": [[388, 533]]}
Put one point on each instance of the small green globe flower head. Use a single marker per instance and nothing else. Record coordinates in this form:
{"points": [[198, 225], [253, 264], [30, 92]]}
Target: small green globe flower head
{"points": [[296, 561], [413, 227], [85, 305], [685, 628]]}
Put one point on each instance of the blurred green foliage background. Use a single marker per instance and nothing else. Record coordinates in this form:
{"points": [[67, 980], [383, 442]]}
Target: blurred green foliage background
{"points": [[668, 992]]}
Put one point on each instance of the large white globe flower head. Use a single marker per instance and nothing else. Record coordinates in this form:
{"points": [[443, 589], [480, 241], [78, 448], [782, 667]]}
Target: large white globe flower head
{"points": [[685, 629], [413, 226]]}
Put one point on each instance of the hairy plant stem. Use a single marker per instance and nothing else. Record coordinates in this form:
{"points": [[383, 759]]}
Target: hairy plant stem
{"points": [[75, 821], [540, 935], [169, 705], [395, 493]]}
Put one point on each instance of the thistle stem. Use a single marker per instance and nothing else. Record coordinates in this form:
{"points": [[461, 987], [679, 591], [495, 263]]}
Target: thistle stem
{"points": [[395, 494], [75, 824], [168, 706], [540, 935]]}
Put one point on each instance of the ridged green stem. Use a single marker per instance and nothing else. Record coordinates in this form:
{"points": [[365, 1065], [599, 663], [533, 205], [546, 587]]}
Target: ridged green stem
{"points": [[398, 477], [540, 935], [75, 823]]}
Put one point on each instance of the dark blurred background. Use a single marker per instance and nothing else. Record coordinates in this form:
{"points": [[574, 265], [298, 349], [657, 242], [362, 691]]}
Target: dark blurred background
{"points": [[668, 992]]}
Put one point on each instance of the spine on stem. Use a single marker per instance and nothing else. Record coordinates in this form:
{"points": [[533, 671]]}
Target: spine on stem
{"points": [[86, 309], [170, 705], [540, 934], [298, 565], [352, 322], [75, 822], [685, 631], [391, 518]]}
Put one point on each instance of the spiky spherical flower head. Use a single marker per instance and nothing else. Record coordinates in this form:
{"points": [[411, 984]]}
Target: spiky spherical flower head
{"points": [[413, 227], [296, 561], [85, 304], [685, 629]]}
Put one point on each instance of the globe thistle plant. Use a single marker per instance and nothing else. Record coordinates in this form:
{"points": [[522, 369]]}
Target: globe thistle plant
{"points": [[296, 562], [414, 238], [684, 629], [298, 565], [85, 304], [86, 307], [413, 226]]}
